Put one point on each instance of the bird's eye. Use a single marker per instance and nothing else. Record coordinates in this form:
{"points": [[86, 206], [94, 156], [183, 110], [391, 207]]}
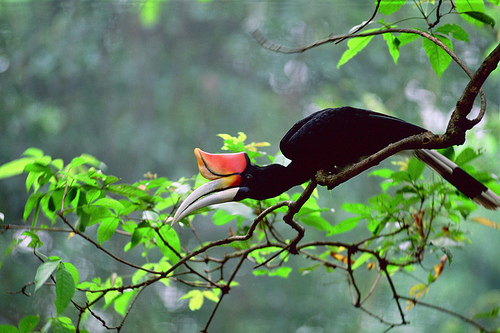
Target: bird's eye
{"points": [[248, 176]]}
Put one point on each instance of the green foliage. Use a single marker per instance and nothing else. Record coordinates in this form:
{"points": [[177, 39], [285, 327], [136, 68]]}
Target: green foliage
{"points": [[82, 192], [471, 11], [196, 297], [440, 59], [355, 45], [65, 287], [26, 325], [412, 217]]}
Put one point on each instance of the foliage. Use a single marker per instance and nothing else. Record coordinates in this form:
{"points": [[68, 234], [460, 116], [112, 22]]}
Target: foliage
{"points": [[439, 45], [411, 219], [414, 218]]}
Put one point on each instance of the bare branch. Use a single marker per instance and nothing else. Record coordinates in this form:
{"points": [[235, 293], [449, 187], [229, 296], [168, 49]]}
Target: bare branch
{"points": [[103, 249], [451, 313]]}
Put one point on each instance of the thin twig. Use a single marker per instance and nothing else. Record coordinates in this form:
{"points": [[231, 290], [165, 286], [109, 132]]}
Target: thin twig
{"points": [[104, 250], [451, 313]]}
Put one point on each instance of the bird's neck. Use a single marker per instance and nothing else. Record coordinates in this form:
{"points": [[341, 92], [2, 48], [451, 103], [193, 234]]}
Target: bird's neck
{"points": [[274, 179]]}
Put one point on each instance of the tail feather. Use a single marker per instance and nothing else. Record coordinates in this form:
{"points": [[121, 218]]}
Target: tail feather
{"points": [[464, 182]]}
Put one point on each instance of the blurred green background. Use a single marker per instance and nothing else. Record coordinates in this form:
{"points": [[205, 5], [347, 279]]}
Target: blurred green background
{"points": [[140, 84]]}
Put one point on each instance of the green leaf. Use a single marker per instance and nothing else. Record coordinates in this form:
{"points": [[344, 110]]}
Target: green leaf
{"points": [[456, 31], [163, 266], [472, 11], [95, 285], [150, 12], [356, 208], [467, 155], [115, 281], [38, 167], [73, 271], [384, 173], [107, 228], [62, 325], [33, 152], [493, 313], [108, 203], [8, 329], [86, 159], [400, 176], [481, 17], [388, 7], [438, 57], [122, 302], [28, 324], [361, 260], [315, 220], [32, 203], [282, 272], [83, 216], [131, 191], [15, 167], [345, 225], [415, 168], [172, 239], [45, 270], [195, 299], [35, 240], [258, 272], [98, 214], [93, 194], [32, 180], [220, 217], [406, 38], [65, 288], [138, 234], [212, 295], [110, 180], [355, 45], [393, 45]]}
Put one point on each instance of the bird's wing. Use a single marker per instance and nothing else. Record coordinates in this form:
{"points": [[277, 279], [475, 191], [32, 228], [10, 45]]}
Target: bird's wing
{"points": [[337, 137]]}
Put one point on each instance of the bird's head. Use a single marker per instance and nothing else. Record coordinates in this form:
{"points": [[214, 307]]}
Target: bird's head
{"points": [[232, 178]]}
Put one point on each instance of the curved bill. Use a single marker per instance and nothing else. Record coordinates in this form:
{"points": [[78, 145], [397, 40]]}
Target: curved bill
{"points": [[224, 172], [192, 203]]}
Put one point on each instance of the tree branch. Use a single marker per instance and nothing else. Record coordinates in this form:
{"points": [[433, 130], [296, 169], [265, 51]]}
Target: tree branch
{"points": [[451, 313], [458, 124]]}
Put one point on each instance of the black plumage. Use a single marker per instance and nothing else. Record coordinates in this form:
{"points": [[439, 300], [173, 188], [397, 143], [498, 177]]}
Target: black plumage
{"points": [[330, 139], [334, 138]]}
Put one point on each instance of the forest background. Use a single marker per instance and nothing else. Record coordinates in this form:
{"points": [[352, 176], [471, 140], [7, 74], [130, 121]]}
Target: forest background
{"points": [[139, 85]]}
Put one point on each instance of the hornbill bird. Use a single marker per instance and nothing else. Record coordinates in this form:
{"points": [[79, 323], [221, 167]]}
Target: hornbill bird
{"points": [[330, 139]]}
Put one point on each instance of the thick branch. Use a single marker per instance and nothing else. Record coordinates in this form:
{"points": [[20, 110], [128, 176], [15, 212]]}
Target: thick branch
{"points": [[458, 120], [427, 140]]}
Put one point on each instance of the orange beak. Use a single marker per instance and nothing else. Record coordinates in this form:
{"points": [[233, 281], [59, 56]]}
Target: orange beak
{"points": [[224, 172]]}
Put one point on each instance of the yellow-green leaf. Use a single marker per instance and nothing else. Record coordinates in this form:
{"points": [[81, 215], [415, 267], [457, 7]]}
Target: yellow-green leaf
{"points": [[15, 167], [355, 45], [195, 299]]}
